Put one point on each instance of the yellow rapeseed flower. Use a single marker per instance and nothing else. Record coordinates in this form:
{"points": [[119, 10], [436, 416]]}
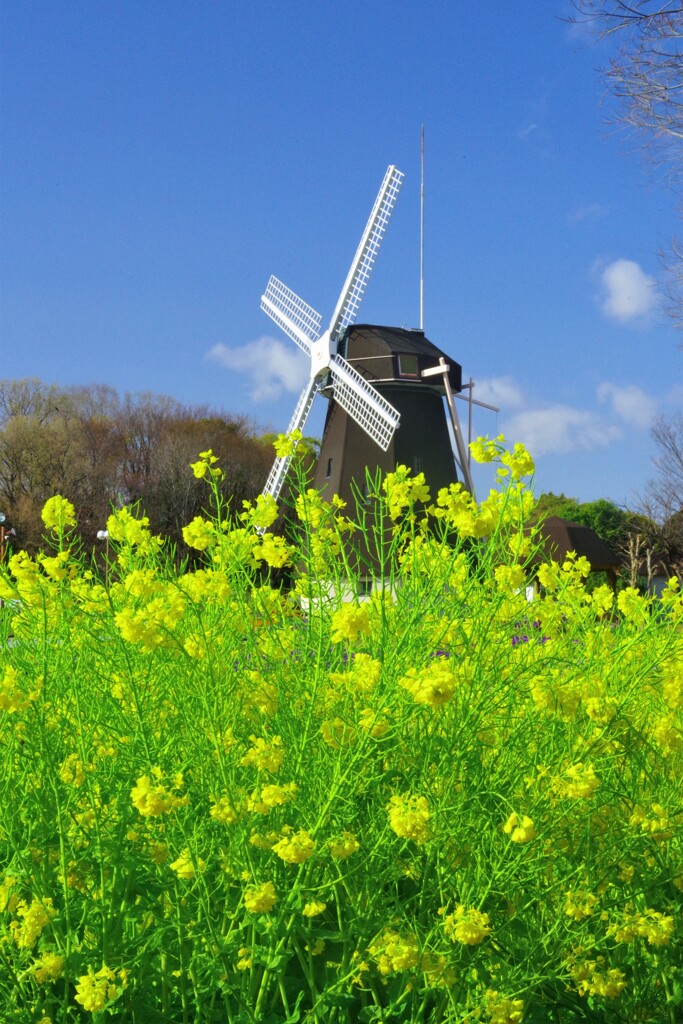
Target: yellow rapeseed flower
{"points": [[502, 1009], [593, 979], [649, 924], [286, 444], [393, 952], [263, 514], [273, 551], [56, 566], [71, 771], [264, 841], [520, 828], [95, 990], [509, 578], [486, 449], [518, 461], [185, 866], [344, 846], [58, 514], [372, 724], [361, 675], [260, 899], [311, 509], [403, 490], [13, 698], [350, 621], [199, 534], [668, 734], [245, 961], [206, 466], [266, 755], [433, 685], [337, 733], [123, 527], [409, 817], [295, 848], [578, 781], [579, 904], [9, 897], [152, 799], [33, 917], [264, 800], [48, 968], [224, 810], [314, 908], [467, 925], [633, 605]]}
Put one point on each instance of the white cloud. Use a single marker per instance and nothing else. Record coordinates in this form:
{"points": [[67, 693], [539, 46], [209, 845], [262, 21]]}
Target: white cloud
{"points": [[503, 392], [272, 366], [630, 403], [629, 294], [674, 397], [589, 212], [557, 429], [545, 429], [560, 429], [525, 133]]}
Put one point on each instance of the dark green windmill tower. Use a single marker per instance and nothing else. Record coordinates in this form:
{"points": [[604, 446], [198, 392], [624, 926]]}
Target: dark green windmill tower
{"points": [[414, 376], [385, 384]]}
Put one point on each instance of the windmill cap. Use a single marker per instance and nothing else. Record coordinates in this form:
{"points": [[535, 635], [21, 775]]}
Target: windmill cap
{"points": [[377, 350]]}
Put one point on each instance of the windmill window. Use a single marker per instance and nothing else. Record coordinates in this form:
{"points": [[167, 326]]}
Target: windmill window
{"points": [[407, 366], [417, 464], [328, 473]]}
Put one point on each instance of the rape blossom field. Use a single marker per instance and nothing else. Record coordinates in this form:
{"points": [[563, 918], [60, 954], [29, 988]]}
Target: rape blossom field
{"points": [[229, 800]]}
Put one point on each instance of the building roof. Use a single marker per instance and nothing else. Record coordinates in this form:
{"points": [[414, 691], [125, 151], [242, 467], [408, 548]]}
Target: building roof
{"points": [[376, 351], [560, 536]]}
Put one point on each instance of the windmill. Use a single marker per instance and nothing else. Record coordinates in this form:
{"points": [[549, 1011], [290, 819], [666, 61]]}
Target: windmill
{"points": [[393, 367]]}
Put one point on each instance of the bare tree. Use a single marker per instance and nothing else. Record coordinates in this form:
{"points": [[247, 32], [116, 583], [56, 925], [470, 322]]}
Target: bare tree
{"points": [[645, 75], [28, 397], [41, 452], [660, 527], [98, 450], [667, 489], [645, 78]]}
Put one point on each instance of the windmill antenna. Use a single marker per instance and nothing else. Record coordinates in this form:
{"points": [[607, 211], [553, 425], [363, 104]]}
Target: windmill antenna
{"points": [[422, 233]]}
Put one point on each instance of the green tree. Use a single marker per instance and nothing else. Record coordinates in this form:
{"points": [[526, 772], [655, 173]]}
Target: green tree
{"points": [[608, 520]]}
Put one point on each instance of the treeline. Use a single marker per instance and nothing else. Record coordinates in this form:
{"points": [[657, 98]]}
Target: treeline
{"points": [[101, 450]]}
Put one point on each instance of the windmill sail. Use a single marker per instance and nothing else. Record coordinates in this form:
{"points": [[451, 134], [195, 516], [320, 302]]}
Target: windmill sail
{"points": [[363, 403], [363, 263], [296, 318], [278, 471], [302, 323]]}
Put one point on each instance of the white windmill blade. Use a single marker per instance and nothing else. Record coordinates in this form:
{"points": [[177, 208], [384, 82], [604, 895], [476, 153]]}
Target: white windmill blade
{"points": [[296, 318], [278, 471], [361, 268], [363, 403]]}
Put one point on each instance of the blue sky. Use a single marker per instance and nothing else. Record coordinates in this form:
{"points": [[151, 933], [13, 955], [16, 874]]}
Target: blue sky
{"points": [[160, 159]]}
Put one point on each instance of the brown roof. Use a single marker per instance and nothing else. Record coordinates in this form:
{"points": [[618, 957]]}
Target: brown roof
{"points": [[559, 537]]}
